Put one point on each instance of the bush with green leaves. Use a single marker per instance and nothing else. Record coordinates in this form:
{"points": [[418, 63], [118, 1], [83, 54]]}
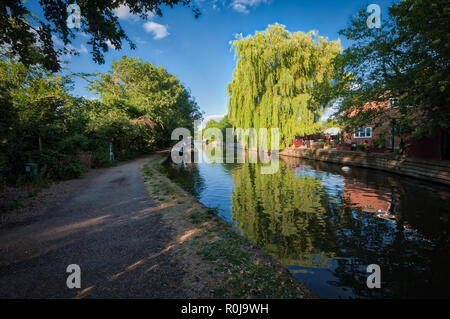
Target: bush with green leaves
{"points": [[43, 123]]}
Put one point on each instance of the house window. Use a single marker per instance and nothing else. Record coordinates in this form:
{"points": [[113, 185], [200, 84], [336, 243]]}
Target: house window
{"points": [[365, 132]]}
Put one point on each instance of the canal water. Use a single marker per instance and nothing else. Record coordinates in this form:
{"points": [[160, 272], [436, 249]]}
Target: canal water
{"points": [[326, 225]]}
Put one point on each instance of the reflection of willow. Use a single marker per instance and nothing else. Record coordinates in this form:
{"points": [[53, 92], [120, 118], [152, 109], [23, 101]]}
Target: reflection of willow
{"points": [[283, 214], [296, 221], [213, 153]]}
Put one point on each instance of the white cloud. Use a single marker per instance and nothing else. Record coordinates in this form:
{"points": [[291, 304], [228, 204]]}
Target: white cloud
{"points": [[123, 12], [83, 49], [140, 41], [240, 8], [159, 31], [244, 6], [110, 45], [204, 5], [68, 56], [57, 40]]}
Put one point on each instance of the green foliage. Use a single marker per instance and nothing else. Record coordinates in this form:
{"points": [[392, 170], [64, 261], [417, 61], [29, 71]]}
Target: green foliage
{"points": [[37, 111], [136, 88], [319, 143], [21, 29], [43, 123], [407, 58], [74, 144], [100, 158], [72, 170], [222, 125], [276, 75]]}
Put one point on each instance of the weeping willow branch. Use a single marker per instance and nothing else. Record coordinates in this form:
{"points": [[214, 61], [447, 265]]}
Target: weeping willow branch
{"points": [[275, 77]]}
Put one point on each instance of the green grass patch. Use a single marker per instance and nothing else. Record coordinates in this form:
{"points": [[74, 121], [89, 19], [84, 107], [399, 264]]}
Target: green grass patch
{"points": [[167, 189], [227, 249], [198, 217]]}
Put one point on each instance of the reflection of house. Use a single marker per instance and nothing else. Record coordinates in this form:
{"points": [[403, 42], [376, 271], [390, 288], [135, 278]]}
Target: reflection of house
{"points": [[371, 200], [368, 199]]}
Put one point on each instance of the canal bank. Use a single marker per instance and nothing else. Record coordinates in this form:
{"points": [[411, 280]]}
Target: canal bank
{"points": [[326, 225], [218, 262], [429, 170]]}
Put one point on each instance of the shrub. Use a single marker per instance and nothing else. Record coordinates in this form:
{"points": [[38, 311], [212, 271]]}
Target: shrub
{"points": [[361, 147], [74, 144], [100, 159], [72, 170]]}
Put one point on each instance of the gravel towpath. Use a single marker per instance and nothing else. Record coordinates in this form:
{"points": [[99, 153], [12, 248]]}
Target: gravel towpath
{"points": [[108, 226]]}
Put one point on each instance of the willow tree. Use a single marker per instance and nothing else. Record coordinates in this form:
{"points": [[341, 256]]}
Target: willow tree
{"points": [[276, 76]]}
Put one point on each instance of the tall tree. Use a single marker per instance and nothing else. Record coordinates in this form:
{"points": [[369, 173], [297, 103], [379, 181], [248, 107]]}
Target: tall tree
{"points": [[145, 90], [274, 80], [407, 60], [20, 29]]}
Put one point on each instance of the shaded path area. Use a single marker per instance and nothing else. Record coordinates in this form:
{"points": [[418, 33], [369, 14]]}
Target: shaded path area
{"points": [[108, 227]]}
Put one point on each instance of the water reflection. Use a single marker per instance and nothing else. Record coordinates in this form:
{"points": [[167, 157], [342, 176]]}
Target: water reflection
{"points": [[326, 225]]}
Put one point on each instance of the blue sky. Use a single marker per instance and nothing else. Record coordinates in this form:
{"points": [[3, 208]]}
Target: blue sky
{"points": [[198, 50]]}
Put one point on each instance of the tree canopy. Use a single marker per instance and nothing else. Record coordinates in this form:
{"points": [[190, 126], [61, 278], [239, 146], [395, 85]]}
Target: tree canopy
{"points": [[407, 60], [42, 122], [222, 125], [276, 76], [21, 30], [140, 88]]}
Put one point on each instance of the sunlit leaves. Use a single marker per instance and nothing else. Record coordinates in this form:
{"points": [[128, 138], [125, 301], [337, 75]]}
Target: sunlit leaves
{"points": [[408, 58], [140, 88], [274, 80]]}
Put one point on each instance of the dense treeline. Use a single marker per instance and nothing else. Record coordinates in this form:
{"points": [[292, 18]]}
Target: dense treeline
{"points": [[222, 125], [43, 122]]}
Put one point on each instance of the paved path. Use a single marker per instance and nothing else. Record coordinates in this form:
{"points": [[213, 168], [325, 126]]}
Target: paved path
{"points": [[108, 227]]}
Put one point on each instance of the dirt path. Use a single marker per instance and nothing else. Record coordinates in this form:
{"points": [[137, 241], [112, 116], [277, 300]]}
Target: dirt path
{"points": [[107, 226]]}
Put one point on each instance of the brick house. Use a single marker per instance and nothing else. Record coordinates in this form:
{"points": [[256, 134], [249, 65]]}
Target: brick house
{"points": [[374, 136], [435, 146]]}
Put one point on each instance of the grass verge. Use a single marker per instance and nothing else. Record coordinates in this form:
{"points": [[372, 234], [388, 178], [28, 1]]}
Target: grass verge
{"points": [[218, 261]]}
